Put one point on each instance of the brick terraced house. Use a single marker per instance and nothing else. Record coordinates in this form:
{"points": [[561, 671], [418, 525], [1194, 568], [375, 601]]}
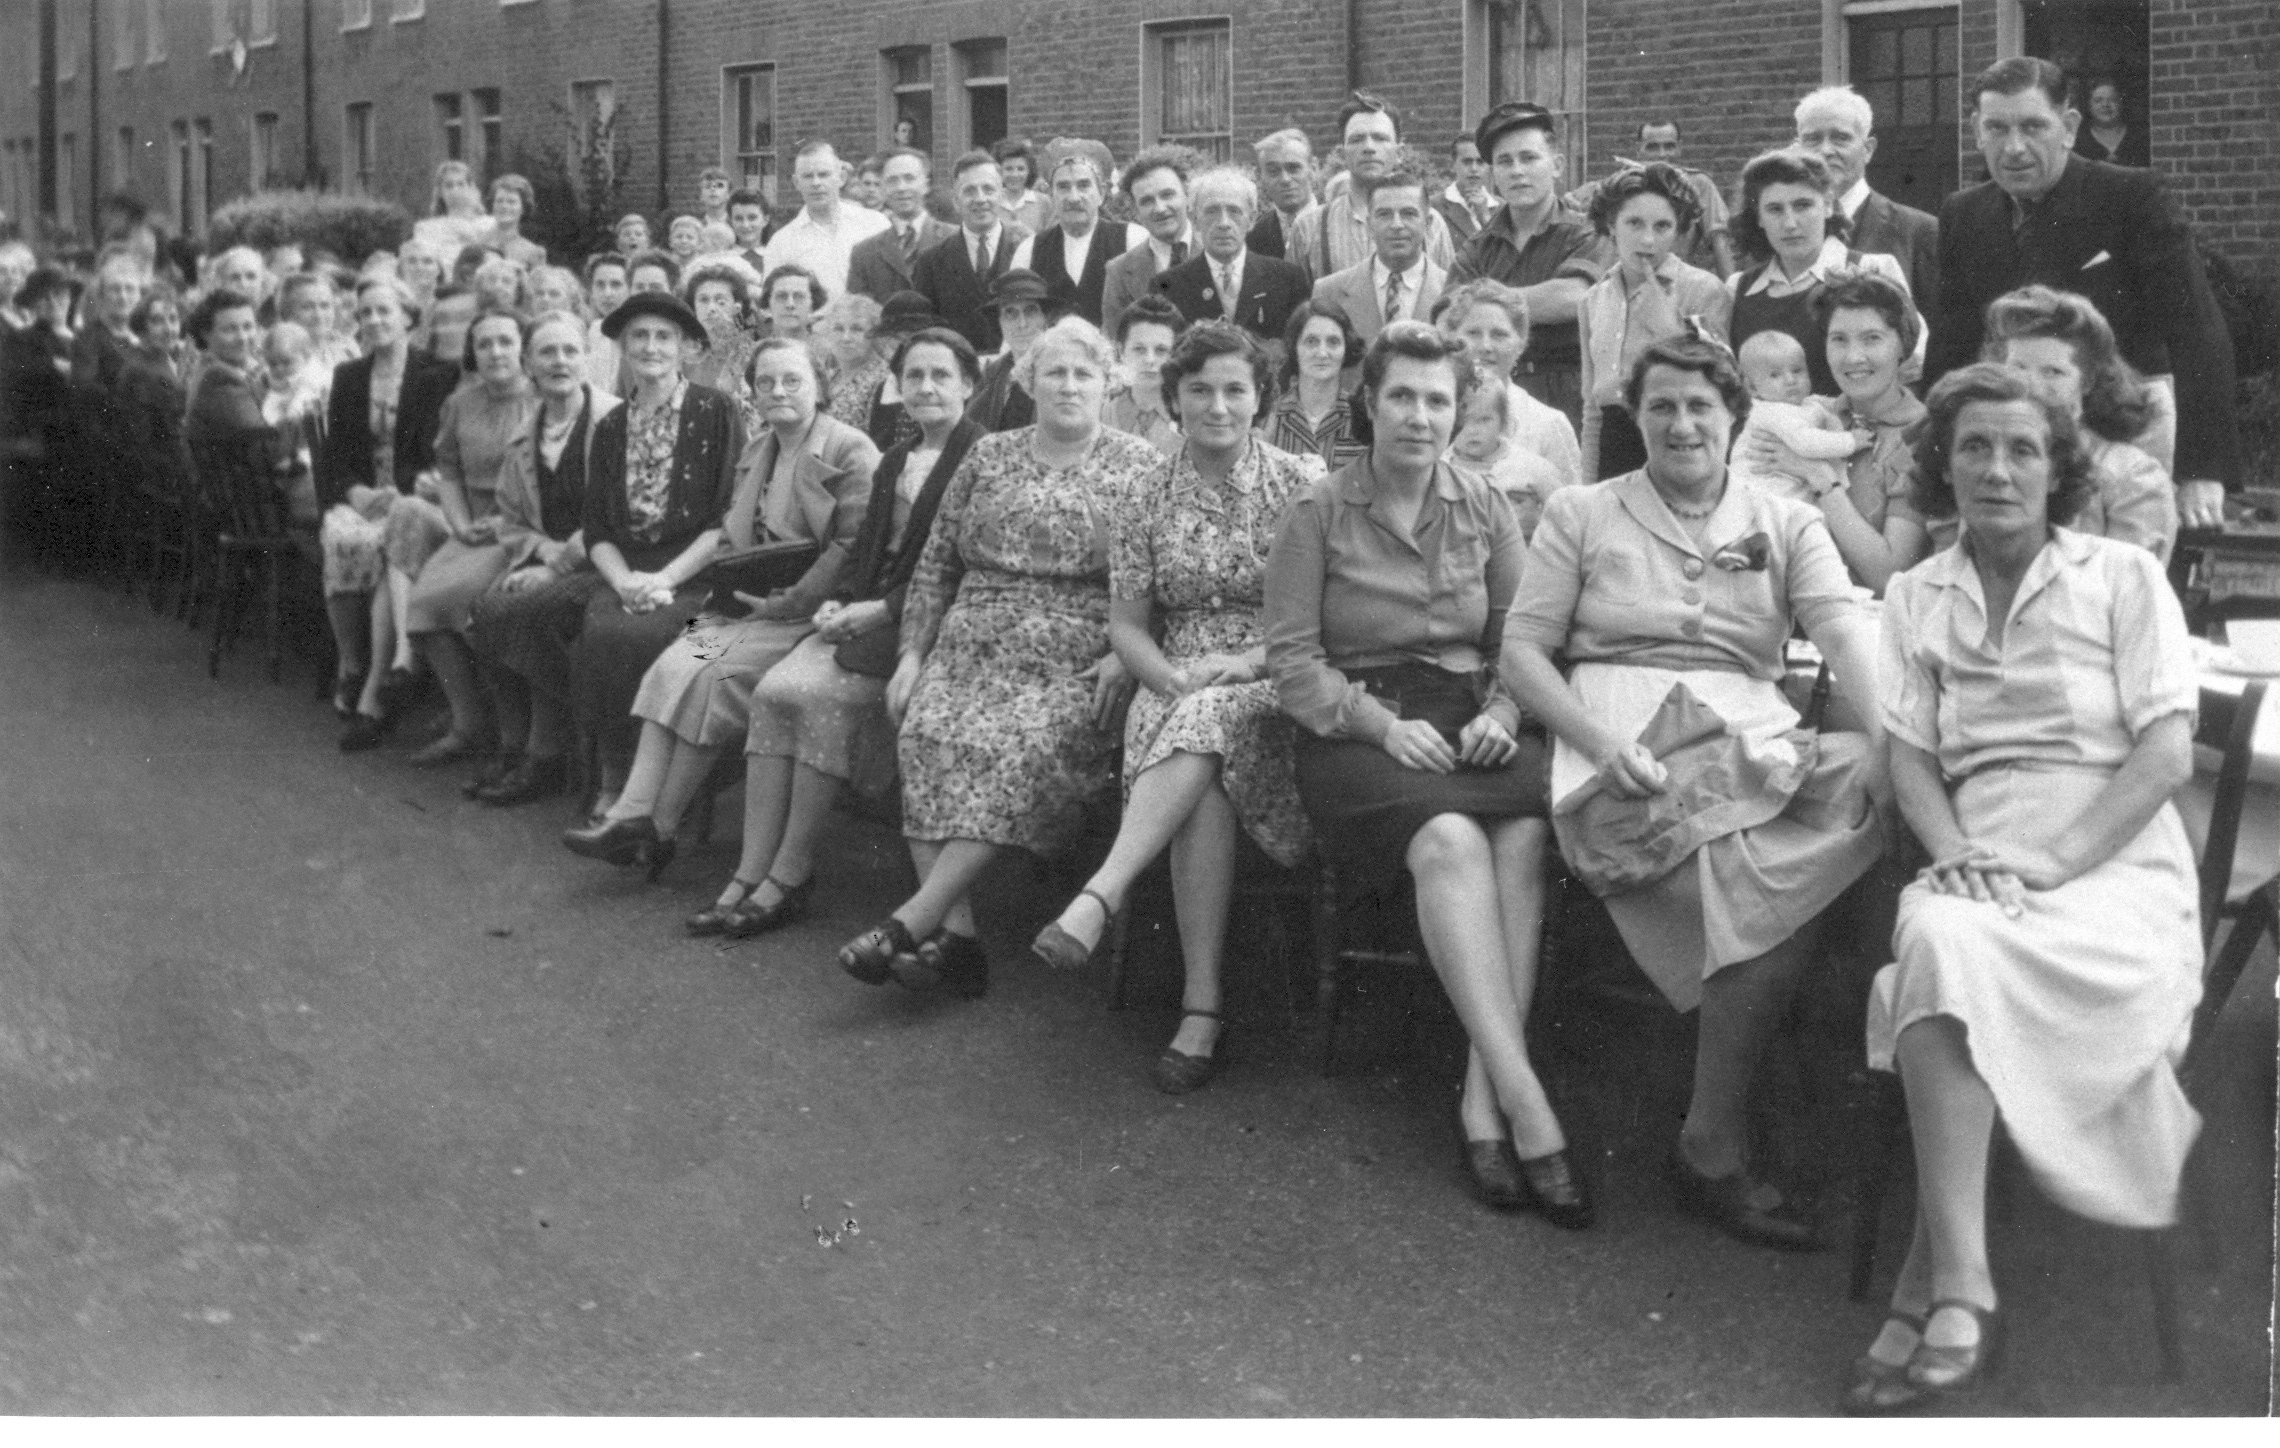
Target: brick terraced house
{"points": [[188, 103]]}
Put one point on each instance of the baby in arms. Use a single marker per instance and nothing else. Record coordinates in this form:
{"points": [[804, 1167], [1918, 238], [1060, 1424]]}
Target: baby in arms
{"points": [[1784, 410]]}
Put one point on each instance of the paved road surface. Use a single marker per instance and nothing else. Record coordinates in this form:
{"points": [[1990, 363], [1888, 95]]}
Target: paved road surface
{"points": [[323, 1091]]}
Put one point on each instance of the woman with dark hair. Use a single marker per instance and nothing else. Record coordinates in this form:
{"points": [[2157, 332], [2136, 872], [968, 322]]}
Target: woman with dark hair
{"points": [[1869, 329], [1385, 598], [807, 478], [791, 297], [2106, 133], [721, 295], [522, 628], [1006, 692], [1310, 417], [2038, 696], [1685, 795], [380, 431], [1651, 295], [1020, 203], [2063, 345], [513, 203], [819, 718], [663, 471], [225, 401], [445, 553], [1145, 336], [1789, 226], [1206, 749]]}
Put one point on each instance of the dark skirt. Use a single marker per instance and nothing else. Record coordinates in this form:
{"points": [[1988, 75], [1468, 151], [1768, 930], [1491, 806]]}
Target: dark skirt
{"points": [[530, 633], [1366, 807], [1621, 448], [614, 650]]}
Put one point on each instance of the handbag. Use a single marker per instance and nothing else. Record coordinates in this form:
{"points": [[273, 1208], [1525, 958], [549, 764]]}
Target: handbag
{"points": [[874, 655], [760, 569]]}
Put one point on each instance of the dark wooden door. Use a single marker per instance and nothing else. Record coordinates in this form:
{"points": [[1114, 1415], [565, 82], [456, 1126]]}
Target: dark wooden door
{"points": [[1906, 63]]}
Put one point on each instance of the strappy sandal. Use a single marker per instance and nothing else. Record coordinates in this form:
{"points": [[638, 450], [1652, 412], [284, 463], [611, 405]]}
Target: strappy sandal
{"points": [[714, 918], [1956, 1371], [1177, 1072], [870, 957], [748, 919], [1063, 951], [1880, 1387]]}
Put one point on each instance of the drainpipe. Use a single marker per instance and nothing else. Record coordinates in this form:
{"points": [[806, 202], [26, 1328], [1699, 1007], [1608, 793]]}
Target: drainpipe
{"points": [[312, 173], [1353, 45], [47, 142], [664, 100], [95, 65]]}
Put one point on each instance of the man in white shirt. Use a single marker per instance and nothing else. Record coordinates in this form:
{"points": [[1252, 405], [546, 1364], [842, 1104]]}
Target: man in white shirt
{"points": [[1835, 123], [1399, 282], [823, 236], [1337, 235], [1156, 183], [1073, 257]]}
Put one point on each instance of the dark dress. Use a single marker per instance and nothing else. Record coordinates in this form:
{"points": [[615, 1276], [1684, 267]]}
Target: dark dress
{"points": [[530, 632], [616, 648], [1766, 312]]}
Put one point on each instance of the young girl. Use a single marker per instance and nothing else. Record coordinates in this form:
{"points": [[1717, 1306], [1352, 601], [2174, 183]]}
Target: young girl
{"points": [[1482, 445]]}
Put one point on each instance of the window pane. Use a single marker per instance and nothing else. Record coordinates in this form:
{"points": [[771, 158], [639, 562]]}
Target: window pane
{"points": [[984, 58], [1944, 100], [1916, 50], [1883, 96], [986, 116], [1883, 53], [1916, 103], [913, 67]]}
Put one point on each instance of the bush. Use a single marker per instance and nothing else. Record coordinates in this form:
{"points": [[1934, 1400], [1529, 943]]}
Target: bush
{"points": [[350, 227]]}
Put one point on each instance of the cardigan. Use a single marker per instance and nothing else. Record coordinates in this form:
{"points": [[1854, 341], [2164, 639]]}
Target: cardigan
{"points": [[878, 565], [347, 457], [522, 513], [705, 453], [823, 500]]}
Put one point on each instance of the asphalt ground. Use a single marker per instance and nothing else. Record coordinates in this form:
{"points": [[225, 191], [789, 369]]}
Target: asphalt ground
{"points": [[325, 1091]]}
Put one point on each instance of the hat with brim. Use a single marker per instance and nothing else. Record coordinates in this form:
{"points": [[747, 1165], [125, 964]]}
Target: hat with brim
{"points": [[906, 312], [655, 304], [1023, 285], [1503, 120]]}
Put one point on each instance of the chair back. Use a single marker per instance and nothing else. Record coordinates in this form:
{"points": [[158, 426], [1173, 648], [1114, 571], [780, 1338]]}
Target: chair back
{"points": [[2228, 725], [237, 486]]}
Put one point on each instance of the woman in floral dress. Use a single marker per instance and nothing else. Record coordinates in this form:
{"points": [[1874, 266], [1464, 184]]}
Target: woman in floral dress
{"points": [[1007, 694], [1206, 746]]}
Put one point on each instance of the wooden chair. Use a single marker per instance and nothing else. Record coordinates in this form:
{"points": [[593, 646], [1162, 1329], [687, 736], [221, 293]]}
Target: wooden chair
{"points": [[252, 541], [2228, 724], [1260, 885], [169, 502]]}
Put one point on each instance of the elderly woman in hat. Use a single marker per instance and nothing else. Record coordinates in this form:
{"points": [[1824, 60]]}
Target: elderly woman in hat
{"points": [[1025, 308], [658, 487], [904, 315]]}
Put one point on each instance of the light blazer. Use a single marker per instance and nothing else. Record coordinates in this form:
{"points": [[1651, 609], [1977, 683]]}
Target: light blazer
{"points": [[1272, 290], [1910, 237], [1355, 292], [823, 502], [2111, 234], [522, 530], [1126, 282], [875, 268]]}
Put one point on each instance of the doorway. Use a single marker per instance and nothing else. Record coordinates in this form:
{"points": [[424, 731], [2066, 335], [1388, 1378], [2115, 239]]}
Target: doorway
{"points": [[2098, 42]]}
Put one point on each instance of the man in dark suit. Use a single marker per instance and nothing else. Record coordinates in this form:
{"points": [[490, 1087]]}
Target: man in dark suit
{"points": [[955, 276], [1073, 256], [1835, 123], [1286, 190], [882, 265], [1225, 202], [2107, 233]]}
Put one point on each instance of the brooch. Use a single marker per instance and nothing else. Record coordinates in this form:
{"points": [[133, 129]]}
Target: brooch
{"points": [[1745, 555]]}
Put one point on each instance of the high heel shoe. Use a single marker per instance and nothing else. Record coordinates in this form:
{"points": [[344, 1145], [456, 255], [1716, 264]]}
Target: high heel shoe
{"points": [[483, 781], [714, 918], [748, 919], [617, 842], [1177, 1073], [533, 778], [1063, 951], [1879, 1387], [956, 963], [1956, 1371], [1724, 1202], [1557, 1189], [655, 854], [870, 957]]}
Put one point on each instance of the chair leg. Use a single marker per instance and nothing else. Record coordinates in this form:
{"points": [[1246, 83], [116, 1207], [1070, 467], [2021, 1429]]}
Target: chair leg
{"points": [[2257, 915], [2161, 1280], [1887, 1116], [273, 620]]}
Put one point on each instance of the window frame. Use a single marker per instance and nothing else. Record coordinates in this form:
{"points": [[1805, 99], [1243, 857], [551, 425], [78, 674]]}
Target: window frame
{"points": [[355, 181], [1153, 35], [222, 29], [1479, 88], [254, 39], [732, 137], [451, 125], [261, 149], [966, 83], [404, 12], [123, 159], [892, 89], [154, 32], [350, 11], [124, 51], [490, 132]]}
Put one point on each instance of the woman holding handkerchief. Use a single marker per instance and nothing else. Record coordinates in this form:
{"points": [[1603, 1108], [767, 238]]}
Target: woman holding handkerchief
{"points": [[1683, 791]]}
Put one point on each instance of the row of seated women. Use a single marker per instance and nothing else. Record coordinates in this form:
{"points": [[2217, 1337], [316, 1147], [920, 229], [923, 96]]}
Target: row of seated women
{"points": [[1375, 664]]}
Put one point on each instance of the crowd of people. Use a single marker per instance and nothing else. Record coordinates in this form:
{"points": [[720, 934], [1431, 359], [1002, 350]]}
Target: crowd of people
{"points": [[1421, 532]]}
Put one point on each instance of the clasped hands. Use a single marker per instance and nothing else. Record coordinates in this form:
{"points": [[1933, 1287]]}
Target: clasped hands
{"points": [[836, 623], [644, 592], [1999, 874], [1208, 672], [1484, 743]]}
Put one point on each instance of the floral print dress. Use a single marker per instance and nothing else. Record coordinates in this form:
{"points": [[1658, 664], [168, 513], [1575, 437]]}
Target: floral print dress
{"points": [[1009, 607], [1197, 551]]}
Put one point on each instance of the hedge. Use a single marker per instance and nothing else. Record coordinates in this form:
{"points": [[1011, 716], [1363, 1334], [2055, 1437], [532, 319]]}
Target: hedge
{"points": [[350, 227]]}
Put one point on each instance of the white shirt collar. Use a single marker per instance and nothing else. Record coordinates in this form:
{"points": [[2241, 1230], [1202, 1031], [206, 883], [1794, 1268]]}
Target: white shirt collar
{"points": [[1771, 280], [1230, 271], [989, 238], [1163, 249], [1075, 250], [1855, 194]]}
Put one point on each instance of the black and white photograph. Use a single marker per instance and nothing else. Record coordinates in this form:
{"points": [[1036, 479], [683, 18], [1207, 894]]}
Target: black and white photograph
{"points": [[1159, 711]]}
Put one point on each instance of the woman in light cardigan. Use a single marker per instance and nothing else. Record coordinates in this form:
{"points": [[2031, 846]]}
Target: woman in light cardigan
{"points": [[1651, 296]]}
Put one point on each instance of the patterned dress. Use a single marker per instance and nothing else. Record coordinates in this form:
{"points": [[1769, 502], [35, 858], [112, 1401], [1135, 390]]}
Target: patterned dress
{"points": [[1197, 552], [1010, 608]]}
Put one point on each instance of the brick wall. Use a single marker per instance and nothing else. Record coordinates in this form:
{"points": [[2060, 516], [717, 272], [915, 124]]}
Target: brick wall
{"points": [[1729, 71], [2216, 121]]}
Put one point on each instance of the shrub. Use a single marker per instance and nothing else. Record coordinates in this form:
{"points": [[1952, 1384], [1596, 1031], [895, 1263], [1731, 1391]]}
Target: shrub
{"points": [[350, 227]]}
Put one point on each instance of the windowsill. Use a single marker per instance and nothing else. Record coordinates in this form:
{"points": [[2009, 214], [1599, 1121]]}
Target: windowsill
{"points": [[347, 29], [269, 44]]}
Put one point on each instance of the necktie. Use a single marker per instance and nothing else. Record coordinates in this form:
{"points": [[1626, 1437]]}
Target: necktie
{"points": [[909, 236], [1393, 296], [981, 256], [1179, 252], [1227, 293]]}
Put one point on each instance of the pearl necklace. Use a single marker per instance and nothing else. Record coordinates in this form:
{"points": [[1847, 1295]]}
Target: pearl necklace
{"points": [[1692, 516]]}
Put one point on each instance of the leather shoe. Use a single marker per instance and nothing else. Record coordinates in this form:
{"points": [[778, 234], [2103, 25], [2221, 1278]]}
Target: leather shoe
{"points": [[618, 842], [366, 733], [749, 919], [956, 963], [1946, 1371], [1557, 1189], [714, 918], [1881, 1388], [537, 778], [871, 956], [502, 764], [1495, 1171], [1724, 1202]]}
